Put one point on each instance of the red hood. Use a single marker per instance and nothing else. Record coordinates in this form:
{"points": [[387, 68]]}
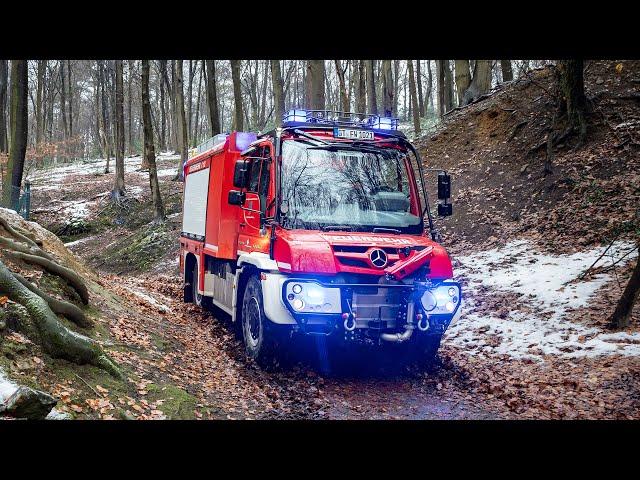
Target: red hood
{"points": [[313, 251]]}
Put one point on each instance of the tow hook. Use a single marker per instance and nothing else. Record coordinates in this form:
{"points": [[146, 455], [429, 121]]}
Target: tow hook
{"points": [[349, 322], [423, 322]]}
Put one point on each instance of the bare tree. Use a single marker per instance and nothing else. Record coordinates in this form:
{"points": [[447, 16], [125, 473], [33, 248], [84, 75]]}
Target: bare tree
{"points": [[371, 88], [344, 97], [463, 78], [315, 84], [445, 87], [419, 85], [278, 91], [212, 98], [181, 121], [361, 88], [118, 186], [387, 88], [507, 72], [149, 149], [481, 82], [238, 118], [622, 314], [19, 133], [4, 78], [572, 88], [414, 98]]}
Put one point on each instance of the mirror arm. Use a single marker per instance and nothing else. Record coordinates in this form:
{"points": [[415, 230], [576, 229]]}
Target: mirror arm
{"points": [[432, 230]]}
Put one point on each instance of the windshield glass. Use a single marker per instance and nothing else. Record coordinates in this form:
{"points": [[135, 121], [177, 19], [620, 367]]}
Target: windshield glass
{"points": [[346, 189]]}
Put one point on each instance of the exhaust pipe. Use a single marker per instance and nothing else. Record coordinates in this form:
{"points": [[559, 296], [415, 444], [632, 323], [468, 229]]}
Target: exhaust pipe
{"points": [[408, 330]]}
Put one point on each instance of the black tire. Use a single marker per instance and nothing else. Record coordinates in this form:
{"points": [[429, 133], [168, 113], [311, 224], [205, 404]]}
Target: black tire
{"points": [[197, 299], [257, 332], [425, 349]]}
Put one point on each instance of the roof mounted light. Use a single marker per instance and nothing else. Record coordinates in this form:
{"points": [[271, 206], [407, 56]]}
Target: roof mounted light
{"points": [[383, 123], [295, 116]]}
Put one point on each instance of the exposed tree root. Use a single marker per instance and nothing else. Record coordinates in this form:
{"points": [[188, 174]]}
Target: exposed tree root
{"points": [[55, 338], [17, 234], [71, 277], [23, 248], [69, 310]]}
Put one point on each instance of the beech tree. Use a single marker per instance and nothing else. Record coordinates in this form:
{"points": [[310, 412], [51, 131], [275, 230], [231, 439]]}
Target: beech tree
{"points": [[414, 98], [212, 98], [371, 88], [315, 84], [387, 88], [278, 91], [238, 116], [149, 149], [463, 78], [181, 121], [4, 78], [361, 87], [118, 187], [445, 87], [507, 72]]}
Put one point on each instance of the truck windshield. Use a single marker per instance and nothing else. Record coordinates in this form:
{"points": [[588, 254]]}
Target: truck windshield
{"points": [[350, 189]]}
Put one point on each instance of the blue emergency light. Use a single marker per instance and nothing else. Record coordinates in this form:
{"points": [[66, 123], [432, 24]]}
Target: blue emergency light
{"points": [[298, 116]]}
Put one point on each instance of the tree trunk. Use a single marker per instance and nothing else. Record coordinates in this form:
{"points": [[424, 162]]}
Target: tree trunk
{"points": [[622, 315], [387, 88], [278, 91], [344, 97], [572, 88], [106, 134], [39, 91], [129, 109], [118, 187], [238, 122], [481, 82], [196, 127], [19, 133], [361, 88], [149, 149], [445, 87], [371, 88], [63, 100], [4, 78], [192, 73], [507, 72], [315, 85], [419, 85], [70, 97], [463, 79], [181, 121], [414, 99], [212, 98], [163, 111], [429, 88], [396, 86]]}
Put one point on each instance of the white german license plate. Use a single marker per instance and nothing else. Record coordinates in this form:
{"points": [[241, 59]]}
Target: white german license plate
{"points": [[353, 134]]}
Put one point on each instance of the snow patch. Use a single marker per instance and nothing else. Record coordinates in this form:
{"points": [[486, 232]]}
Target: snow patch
{"points": [[7, 388], [543, 280], [150, 300]]}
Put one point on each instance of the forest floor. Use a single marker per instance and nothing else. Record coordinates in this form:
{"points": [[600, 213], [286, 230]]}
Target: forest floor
{"points": [[532, 342]]}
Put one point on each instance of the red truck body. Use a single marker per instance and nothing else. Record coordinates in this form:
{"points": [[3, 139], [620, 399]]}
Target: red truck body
{"points": [[231, 246]]}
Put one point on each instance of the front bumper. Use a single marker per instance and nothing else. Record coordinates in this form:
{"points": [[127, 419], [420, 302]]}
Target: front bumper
{"points": [[366, 309]]}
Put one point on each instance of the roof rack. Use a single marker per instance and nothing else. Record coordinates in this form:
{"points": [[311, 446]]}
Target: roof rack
{"points": [[335, 118]]}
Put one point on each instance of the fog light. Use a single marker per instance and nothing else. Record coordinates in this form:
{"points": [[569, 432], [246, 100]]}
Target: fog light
{"points": [[291, 296], [297, 288], [297, 304], [449, 306], [428, 301], [452, 292], [326, 307]]}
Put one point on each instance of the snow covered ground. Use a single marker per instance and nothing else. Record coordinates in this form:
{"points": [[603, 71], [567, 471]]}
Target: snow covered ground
{"points": [[541, 281]]}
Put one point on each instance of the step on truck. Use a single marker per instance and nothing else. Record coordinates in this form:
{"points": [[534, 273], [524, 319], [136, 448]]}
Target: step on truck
{"points": [[319, 227]]}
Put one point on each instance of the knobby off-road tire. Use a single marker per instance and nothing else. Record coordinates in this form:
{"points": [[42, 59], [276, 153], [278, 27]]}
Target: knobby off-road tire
{"points": [[258, 333]]}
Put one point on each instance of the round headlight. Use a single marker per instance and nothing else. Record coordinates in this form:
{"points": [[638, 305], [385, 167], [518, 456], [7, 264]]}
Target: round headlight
{"points": [[297, 304], [297, 288], [452, 292], [428, 301]]}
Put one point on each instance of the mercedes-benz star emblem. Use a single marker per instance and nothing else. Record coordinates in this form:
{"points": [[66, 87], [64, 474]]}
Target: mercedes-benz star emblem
{"points": [[378, 258]]}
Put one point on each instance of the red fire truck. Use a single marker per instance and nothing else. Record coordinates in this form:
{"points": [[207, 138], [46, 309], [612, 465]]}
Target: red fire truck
{"points": [[319, 227]]}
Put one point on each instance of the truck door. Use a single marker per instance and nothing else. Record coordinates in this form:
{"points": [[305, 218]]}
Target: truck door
{"points": [[256, 201]]}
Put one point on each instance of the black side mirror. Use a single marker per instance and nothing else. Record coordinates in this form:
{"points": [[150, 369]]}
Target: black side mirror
{"points": [[241, 174], [236, 197], [444, 193], [444, 186]]}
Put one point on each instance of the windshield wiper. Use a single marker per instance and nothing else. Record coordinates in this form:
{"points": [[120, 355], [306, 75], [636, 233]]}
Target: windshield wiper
{"points": [[382, 230], [338, 227], [310, 137]]}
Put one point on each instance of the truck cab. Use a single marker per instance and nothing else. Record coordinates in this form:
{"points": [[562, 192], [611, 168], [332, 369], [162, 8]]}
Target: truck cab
{"points": [[320, 227]]}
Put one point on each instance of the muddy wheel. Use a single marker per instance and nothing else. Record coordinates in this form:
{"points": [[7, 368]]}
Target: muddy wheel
{"points": [[426, 349], [257, 332]]}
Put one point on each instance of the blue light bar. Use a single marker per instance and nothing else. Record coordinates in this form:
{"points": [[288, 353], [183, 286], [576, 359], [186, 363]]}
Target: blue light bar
{"points": [[295, 116], [383, 123]]}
